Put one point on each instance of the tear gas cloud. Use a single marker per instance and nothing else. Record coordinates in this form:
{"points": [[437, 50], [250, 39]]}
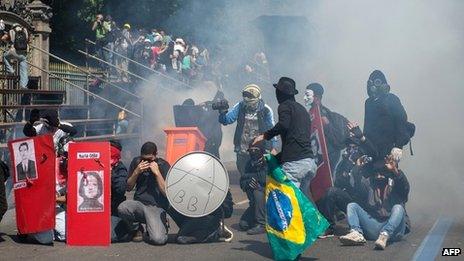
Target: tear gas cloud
{"points": [[417, 44]]}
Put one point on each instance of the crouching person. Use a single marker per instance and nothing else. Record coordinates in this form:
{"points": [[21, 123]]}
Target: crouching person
{"points": [[209, 228], [253, 182], [120, 229], [383, 216], [147, 174]]}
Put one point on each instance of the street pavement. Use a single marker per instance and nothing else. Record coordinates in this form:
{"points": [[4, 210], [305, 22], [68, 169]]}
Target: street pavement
{"points": [[243, 246]]}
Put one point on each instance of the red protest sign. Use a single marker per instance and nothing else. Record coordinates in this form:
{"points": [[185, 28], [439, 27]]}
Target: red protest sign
{"points": [[88, 198], [34, 183], [323, 179]]}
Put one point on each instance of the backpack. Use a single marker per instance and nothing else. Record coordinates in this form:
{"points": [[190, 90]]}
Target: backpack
{"points": [[20, 42]]}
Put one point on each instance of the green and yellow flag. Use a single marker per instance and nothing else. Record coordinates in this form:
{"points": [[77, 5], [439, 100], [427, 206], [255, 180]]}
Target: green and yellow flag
{"points": [[292, 221]]}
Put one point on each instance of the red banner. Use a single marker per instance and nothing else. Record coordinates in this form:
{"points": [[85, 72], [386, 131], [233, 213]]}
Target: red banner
{"points": [[34, 183], [323, 179], [88, 200]]}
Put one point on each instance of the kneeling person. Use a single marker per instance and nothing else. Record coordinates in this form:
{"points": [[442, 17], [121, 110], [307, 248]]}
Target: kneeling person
{"points": [[147, 174], [383, 216], [253, 182]]}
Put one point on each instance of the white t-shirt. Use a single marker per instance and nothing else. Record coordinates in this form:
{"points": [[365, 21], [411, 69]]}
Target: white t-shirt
{"points": [[42, 129]]}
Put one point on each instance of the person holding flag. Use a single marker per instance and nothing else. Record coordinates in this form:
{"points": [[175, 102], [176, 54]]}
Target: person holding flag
{"points": [[292, 221]]}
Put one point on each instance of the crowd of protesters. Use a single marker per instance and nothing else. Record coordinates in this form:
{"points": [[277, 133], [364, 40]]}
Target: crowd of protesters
{"points": [[152, 48]]}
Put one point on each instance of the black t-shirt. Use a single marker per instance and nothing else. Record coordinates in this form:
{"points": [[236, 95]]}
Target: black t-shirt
{"points": [[146, 190]]}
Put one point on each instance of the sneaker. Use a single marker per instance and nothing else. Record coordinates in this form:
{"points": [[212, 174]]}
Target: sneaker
{"points": [[256, 230], [225, 235], [138, 235], [354, 238], [328, 233], [381, 242]]}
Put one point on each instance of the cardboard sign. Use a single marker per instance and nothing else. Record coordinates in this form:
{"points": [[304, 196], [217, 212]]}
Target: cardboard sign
{"points": [[34, 183], [88, 201], [323, 179]]}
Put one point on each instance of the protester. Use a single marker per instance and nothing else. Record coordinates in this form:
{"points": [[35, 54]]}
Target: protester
{"points": [[335, 130], [383, 215], [157, 50], [120, 230], [347, 186], [110, 28], [17, 50], [385, 120], [50, 124], [147, 174], [122, 45], [294, 128], [209, 228], [253, 117], [253, 183], [4, 175], [100, 35]]}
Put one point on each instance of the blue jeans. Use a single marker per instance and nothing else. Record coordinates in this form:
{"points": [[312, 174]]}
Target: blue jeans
{"points": [[300, 172], [23, 68], [361, 221]]}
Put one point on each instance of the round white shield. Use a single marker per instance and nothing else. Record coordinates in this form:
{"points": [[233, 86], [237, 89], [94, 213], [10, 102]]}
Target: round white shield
{"points": [[197, 184]]}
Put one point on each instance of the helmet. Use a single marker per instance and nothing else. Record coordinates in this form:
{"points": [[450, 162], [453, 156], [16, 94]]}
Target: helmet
{"points": [[127, 26]]}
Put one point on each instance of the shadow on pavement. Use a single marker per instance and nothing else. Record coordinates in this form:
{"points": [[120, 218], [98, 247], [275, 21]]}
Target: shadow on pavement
{"points": [[258, 247]]}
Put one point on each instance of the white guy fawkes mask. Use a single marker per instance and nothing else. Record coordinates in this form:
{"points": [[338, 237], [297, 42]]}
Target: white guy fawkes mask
{"points": [[309, 98]]}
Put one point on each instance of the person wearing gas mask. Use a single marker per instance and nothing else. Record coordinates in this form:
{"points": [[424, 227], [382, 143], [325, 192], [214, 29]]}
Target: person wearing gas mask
{"points": [[382, 215], [253, 182], [385, 120], [294, 128], [253, 117], [335, 130]]}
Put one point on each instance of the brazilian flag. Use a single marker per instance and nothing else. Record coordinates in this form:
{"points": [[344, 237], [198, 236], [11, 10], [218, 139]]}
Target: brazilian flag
{"points": [[292, 221]]}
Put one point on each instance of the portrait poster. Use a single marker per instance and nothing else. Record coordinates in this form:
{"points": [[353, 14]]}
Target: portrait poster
{"points": [[89, 186], [33, 165], [323, 179]]}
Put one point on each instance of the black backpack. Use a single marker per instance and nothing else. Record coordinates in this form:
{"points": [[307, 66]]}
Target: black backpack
{"points": [[20, 42]]}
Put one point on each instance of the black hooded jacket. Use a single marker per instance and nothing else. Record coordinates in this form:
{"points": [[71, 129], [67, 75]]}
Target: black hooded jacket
{"points": [[118, 186], [294, 128], [383, 118]]}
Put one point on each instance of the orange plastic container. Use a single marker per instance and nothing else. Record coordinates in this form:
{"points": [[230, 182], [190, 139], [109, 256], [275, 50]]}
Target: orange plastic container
{"points": [[181, 140]]}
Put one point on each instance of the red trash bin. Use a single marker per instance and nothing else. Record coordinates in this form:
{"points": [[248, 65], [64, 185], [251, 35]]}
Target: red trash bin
{"points": [[181, 140]]}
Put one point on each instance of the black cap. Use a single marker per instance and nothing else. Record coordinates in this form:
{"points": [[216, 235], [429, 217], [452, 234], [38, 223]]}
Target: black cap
{"points": [[286, 85], [316, 88]]}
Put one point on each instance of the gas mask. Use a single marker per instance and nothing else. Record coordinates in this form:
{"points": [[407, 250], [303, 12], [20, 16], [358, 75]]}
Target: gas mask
{"points": [[250, 101], [309, 98]]}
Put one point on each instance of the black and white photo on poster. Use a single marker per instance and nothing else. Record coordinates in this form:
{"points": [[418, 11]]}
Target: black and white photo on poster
{"points": [[316, 148], [24, 160], [90, 186]]}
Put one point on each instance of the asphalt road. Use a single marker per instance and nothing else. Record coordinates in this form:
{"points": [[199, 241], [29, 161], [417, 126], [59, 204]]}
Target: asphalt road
{"points": [[243, 247]]}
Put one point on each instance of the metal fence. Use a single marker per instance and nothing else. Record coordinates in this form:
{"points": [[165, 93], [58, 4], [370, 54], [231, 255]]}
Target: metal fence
{"points": [[74, 96]]}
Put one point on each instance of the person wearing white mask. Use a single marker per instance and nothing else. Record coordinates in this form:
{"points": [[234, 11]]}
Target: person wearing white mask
{"points": [[335, 125]]}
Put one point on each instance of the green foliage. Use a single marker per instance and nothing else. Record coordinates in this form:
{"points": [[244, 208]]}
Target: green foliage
{"points": [[89, 9]]}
